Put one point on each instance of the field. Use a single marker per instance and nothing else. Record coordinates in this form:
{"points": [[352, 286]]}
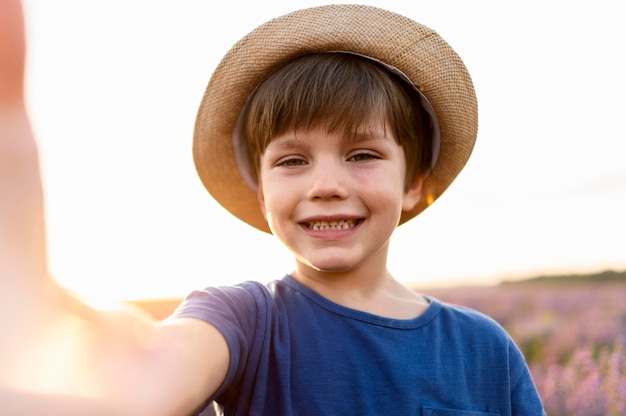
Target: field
{"points": [[572, 330]]}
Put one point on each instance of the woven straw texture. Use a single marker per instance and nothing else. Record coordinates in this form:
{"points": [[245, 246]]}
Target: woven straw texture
{"points": [[433, 66]]}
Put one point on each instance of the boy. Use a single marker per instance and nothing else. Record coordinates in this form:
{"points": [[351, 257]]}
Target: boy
{"points": [[327, 127]]}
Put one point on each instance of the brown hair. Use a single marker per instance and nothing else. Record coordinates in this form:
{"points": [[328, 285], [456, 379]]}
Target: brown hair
{"points": [[339, 91]]}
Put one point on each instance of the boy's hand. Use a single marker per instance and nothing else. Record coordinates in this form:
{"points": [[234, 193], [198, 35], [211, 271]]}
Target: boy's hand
{"points": [[58, 356], [22, 236]]}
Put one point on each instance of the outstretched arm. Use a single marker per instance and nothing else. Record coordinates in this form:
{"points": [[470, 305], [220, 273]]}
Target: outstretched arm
{"points": [[58, 356], [22, 235]]}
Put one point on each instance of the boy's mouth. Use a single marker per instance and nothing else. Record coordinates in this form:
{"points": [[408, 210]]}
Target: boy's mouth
{"points": [[332, 225]]}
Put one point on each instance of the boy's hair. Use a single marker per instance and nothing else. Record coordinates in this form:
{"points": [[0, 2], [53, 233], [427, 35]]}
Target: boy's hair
{"points": [[340, 92]]}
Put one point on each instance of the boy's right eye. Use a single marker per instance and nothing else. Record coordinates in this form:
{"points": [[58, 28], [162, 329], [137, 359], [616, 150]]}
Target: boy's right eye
{"points": [[291, 162]]}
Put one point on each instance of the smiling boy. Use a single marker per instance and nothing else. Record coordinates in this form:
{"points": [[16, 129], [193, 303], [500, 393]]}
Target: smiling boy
{"points": [[336, 133], [327, 127], [333, 180]]}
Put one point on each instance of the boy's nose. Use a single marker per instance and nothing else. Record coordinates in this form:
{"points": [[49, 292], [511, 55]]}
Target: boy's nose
{"points": [[328, 180]]}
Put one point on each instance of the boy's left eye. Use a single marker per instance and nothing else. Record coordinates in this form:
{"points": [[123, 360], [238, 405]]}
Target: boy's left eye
{"points": [[362, 156]]}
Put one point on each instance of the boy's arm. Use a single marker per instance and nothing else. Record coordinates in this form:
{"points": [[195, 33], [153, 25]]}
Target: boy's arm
{"points": [[64, 358], [58, 356]]}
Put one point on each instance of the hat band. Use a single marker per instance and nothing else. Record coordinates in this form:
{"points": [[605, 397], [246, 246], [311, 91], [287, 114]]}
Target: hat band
{"points": [[241, 149]]}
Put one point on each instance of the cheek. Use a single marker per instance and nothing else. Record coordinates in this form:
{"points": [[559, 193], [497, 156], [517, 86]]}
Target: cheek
{"points": [[269, 197], [385, 183]]}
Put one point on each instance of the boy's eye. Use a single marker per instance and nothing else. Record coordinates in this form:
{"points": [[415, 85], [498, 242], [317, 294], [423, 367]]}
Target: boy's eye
{"points": [[291, 162], [363, 156]]}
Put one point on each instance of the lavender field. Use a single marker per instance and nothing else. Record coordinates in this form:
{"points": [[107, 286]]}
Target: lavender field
{"points": [[572, 330]]}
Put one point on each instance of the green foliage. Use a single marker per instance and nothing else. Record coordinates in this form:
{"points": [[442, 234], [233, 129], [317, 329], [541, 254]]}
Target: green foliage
{"points": [[607, 276]]}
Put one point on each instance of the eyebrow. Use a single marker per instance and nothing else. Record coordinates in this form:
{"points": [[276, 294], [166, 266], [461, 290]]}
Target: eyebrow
{"points": [[286, 138], [288, 142], [370, 135], [292, 140]]}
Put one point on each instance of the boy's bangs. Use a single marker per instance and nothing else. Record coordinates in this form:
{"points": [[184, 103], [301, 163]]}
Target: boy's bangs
{"points": [[338, 91], [337, 97]]}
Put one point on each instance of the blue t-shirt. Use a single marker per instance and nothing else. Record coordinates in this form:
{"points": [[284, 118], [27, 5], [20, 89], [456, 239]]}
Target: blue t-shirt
{"points": [[294, 352]]}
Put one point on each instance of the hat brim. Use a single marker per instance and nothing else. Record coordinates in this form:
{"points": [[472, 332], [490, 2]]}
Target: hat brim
{"points": [[428, 61]]}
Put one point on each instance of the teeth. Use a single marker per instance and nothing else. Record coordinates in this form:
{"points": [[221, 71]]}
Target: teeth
{"points": [[331, 225]]}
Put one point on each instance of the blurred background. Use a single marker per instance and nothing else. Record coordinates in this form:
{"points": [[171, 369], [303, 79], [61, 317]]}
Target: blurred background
{"points": [[113, 88], [113, 91]]}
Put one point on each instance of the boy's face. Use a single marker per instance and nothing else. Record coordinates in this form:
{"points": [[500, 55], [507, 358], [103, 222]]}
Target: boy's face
{"points": [[334, 201]]}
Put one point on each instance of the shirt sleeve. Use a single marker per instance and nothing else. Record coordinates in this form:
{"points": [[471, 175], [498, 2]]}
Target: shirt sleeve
{"points": [[233, 311]]}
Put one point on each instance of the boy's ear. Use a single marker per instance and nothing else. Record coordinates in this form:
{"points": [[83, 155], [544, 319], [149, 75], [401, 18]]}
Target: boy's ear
{"points": [[413, 195]]}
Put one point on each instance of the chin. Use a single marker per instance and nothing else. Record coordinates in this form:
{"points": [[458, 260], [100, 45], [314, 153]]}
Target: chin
{"points": [[331, 267]]}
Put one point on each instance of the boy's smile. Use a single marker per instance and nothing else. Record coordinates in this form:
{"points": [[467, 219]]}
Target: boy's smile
{"points": [[333, 225], [334, 200]]}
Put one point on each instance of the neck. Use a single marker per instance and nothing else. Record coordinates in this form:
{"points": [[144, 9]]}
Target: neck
{"points": [[379, 294]]}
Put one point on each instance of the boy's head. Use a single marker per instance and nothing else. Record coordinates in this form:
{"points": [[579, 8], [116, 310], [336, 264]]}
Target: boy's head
{"points": [[338, 92], [335, 66]]}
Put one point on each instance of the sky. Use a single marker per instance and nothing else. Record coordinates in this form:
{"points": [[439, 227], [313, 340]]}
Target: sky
{"points": [[113, 88]]}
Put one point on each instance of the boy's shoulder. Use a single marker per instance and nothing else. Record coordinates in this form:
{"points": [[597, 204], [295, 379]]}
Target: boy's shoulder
{"points": [[248, 299], [471, 323], [458, 311]]}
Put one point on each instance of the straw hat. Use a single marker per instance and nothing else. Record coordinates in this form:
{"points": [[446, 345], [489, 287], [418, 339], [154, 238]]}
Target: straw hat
{"points": [[433, 67]]}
